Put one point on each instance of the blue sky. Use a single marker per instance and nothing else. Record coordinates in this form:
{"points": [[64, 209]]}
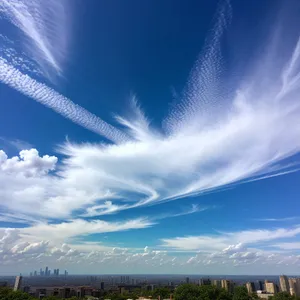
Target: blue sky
{"points": [[149, 136]]}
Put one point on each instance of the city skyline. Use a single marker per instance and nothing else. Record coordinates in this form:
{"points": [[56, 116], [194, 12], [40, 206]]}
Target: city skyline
{"points": [[102, 286], [150, 137], [47, 272]]}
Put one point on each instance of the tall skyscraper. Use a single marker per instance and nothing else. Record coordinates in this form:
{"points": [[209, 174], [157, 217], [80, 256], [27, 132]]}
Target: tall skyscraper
{"points": [[57, 272], [102, 285], [46, 271], [284, 284], [18, 283], [187, 280]]}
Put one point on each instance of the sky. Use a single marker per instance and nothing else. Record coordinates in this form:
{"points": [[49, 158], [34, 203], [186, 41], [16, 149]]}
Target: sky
{"points": [[150, 136]]}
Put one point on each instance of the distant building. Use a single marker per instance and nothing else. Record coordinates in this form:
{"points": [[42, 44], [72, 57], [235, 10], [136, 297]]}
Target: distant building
{"points": [[18, 283], [40, 293], [260, 285], [204, 281], [46, 271], [187, 280], [80, 292], [102, 285], [284, 284], [64, 292], [270, 287], [250, 287], [227, 285], [26, 289], [217, 283], [294, 284]]}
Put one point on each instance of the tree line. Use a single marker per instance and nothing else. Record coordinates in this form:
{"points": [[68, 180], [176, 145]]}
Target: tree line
{"points": [[182, 292]]}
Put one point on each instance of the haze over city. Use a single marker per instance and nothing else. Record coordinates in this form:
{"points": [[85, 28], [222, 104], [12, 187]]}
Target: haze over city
{"points": [[150, 137]]}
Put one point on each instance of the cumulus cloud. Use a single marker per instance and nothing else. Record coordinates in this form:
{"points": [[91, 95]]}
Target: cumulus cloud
{"points": [[20, 253], [15, 249], [28, 163]]}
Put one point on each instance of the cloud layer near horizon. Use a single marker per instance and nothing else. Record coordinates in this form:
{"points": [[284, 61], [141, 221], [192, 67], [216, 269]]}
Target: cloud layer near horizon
{"points": [[211, 253]]}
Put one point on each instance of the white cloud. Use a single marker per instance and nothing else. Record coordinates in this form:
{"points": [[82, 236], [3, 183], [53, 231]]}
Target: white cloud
{"points": [[211, 140], [27, 164], [279, 219], [229, 242], [15, 144], [15, 250], [249, 139], [201, 148], [196, 243], [77, 228], [20, 252], [62, 105], [288, 246], [44, 29], [254, 236]]}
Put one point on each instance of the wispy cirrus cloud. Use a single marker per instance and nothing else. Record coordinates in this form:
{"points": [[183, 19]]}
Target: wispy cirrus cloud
{"points": [[45, 95], [288, 246], [218, 142], [65, 231], [15, 144], [230, 241], [287, 219], [212, 139], [44, 28]]}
